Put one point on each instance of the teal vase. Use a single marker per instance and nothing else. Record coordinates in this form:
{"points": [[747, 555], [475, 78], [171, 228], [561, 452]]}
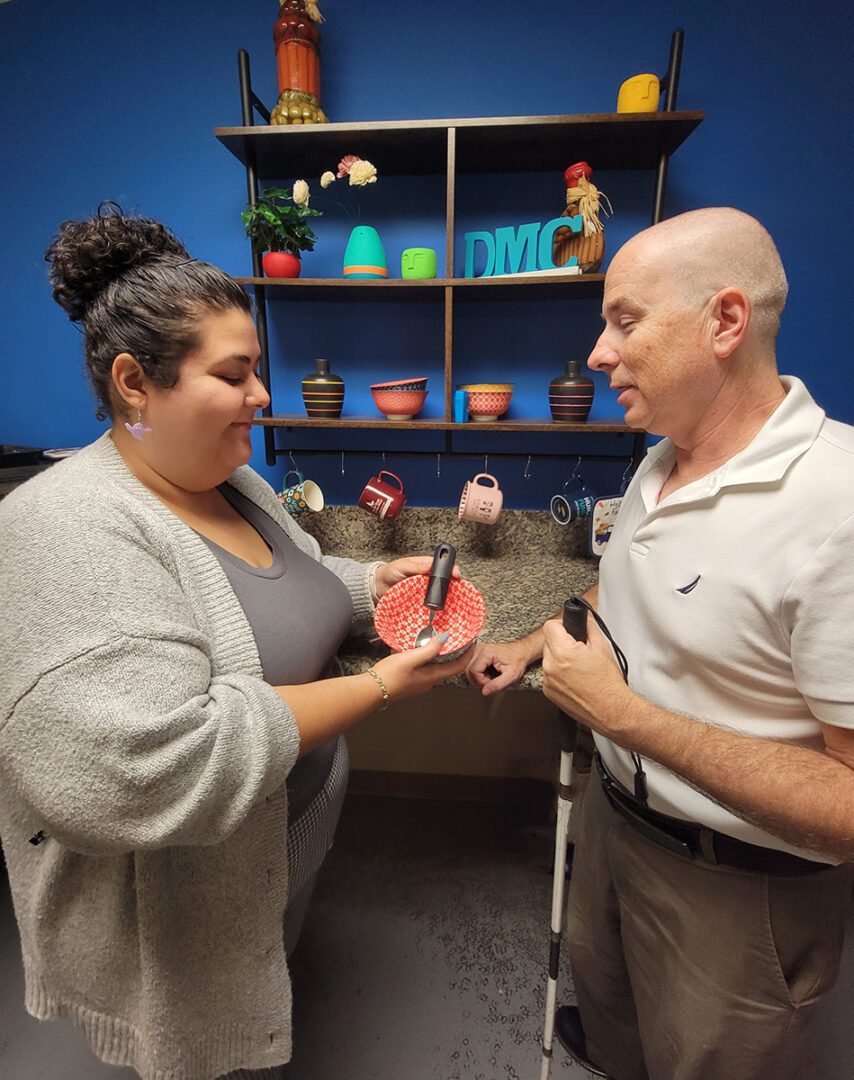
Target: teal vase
{"points": [[364, 256]]}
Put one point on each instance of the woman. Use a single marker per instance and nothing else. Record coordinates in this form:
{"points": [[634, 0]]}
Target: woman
{"points": [[166, 631]]}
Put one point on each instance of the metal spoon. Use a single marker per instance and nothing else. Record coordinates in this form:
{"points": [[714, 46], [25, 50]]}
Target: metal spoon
{"points": [[441, 570]]}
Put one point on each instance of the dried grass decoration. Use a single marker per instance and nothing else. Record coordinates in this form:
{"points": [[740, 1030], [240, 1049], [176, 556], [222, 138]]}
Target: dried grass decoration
{"points": [[583, 198]]}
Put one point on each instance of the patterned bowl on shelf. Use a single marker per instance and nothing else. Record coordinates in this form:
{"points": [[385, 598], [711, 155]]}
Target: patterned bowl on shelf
{"points": [[488, 401], [400, 614], [402, 384], [398, 404]]}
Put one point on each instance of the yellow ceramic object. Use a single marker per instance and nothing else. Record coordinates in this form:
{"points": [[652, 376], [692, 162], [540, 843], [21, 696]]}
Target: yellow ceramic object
{"points": [[640, 93]]}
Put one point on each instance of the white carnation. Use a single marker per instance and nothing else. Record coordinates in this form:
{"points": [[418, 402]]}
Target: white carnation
{"points": [[361, 173]]}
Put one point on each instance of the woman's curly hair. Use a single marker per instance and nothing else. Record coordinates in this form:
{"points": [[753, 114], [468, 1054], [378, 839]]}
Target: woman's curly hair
{"points": [[134, 287]]}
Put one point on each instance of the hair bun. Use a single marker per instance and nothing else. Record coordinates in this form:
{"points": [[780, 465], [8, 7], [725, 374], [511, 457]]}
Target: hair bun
{"points": [[87, 256]]}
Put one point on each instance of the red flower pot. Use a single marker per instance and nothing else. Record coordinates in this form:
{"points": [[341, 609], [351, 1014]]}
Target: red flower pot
{"points": [[281, 264]]}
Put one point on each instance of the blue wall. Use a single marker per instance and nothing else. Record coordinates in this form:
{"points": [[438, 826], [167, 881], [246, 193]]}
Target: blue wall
{"points": [[119, 100]]}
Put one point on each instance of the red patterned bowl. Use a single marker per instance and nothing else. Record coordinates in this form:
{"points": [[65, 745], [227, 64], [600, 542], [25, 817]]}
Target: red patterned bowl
{"points": [[488, 401], [418, 383], [400, 614], [397, 404]]}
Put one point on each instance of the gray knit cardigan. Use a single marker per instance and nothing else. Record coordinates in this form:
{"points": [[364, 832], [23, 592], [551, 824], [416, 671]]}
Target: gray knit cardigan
{"points": [[139, 738]]}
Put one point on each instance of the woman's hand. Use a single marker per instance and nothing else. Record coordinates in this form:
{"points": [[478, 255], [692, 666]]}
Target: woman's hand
{"points": [[390, 573], [413, 672]]}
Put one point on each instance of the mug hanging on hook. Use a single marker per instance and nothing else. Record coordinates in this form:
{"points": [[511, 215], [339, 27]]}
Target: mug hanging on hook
{"points": [[577, 502], [604, 515]]}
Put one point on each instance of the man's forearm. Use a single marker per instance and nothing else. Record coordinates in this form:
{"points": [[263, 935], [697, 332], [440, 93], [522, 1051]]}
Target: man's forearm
{"points": [[803, 796]]}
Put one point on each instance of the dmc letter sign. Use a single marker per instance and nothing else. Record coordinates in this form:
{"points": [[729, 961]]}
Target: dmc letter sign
{"points": [[509, 244]]}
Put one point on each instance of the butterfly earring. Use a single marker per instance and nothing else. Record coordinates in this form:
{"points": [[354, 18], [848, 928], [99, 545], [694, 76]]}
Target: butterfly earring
{"points": [[138, 430]]}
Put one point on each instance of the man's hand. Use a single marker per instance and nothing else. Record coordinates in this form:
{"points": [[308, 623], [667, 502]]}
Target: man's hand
{"points": [[390, 573], [584, 681], [509, 659]]}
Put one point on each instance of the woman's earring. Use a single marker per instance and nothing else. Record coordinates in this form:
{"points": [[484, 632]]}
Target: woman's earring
{"points": [[138, 430]]}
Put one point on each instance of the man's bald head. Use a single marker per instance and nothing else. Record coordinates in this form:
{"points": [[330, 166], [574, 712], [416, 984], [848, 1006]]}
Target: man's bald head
{"points": [[712, 249]]}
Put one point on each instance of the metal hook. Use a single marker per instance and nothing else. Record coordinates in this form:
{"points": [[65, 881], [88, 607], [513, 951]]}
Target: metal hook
{"points": [[486, 463], [526, 472], [291, 458], [383, 457], [342, 462], [438, 466], [575, 473]]}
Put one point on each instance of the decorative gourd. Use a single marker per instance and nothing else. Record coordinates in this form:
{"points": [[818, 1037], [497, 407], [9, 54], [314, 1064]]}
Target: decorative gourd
{"points": [[584, 199]]}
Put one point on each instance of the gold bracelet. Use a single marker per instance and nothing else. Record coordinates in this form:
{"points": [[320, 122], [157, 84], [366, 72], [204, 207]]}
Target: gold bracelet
{"points": [[375, 675]]}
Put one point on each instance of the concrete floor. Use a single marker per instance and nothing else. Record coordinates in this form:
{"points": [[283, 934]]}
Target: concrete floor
{"points": [[422, 958]]}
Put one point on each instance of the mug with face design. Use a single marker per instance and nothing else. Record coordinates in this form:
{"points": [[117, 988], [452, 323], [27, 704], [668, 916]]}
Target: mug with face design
{"points": [[383, 498], [481, 500], [300, 495]]}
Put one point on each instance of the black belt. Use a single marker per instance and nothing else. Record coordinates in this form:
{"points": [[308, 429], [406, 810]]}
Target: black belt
{"points": [[697, 842]]}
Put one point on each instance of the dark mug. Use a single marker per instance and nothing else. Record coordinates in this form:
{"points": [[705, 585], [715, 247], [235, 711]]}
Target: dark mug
{"points": [[383, 498], [569, 507]]}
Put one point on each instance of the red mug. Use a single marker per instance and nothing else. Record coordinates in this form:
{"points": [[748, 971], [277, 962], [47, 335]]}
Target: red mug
{"points": [[382, 498]]}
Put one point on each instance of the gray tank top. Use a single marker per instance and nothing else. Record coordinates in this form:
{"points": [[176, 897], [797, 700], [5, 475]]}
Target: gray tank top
{"points": [[299, 613]]}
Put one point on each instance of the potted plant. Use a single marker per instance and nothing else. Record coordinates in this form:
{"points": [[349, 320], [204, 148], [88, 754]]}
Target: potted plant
{"points": [[277, 226]]}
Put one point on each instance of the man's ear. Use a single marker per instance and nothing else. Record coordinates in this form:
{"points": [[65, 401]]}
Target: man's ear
{"points": [[731, 311], [129, 382]]}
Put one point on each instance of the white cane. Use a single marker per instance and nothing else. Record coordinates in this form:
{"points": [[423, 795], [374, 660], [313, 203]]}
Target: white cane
{"points": [[575, 623]]}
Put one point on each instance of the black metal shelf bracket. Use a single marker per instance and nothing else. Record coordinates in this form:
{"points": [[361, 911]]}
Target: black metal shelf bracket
{"points": [[669, 87], [249, 101]]}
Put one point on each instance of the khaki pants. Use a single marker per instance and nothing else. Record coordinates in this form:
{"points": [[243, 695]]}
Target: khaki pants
{"points": [[685, 970]]}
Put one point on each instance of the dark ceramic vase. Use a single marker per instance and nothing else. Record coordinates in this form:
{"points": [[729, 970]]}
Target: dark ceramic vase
{"points": [[571, 394], [323, 392]]}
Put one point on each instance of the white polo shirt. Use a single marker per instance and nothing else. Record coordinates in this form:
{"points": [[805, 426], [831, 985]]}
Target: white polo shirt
{"points": [[733, 598]]}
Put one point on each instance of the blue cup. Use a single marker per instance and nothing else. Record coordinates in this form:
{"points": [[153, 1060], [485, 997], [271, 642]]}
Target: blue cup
{"points": [[461, 406]]}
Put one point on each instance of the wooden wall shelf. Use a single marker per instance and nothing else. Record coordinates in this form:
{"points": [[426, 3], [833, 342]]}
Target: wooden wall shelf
{"points": [[513, 287], [420, 147], [541, 423]]}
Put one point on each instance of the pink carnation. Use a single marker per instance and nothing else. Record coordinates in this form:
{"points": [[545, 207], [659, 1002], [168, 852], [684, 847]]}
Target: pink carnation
{"points": [[345, 164]]}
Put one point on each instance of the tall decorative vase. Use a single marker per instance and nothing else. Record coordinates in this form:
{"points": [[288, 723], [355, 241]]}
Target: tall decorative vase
{"points": [[297, 43], [571, 394], [323, 392], [364, 256]]}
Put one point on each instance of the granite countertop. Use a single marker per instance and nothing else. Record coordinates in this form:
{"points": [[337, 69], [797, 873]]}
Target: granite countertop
{"points": [[525, 565]]}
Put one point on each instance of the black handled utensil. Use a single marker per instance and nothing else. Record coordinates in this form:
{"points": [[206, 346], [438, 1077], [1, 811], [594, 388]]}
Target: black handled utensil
{"points": [[444, 558]]}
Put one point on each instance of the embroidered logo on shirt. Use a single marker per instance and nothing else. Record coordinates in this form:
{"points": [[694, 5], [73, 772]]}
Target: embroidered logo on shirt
{"points": [[690, 587]]}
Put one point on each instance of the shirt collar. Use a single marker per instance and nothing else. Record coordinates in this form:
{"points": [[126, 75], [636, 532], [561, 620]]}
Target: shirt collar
{"points": [[787, 433]]}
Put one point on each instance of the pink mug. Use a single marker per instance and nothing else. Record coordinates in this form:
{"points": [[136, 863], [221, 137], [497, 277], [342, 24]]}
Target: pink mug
{"points": [[382, 498], [481, 502]]}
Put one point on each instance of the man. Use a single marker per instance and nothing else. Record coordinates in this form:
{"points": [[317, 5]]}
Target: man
{"points": [[706, 919]]}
